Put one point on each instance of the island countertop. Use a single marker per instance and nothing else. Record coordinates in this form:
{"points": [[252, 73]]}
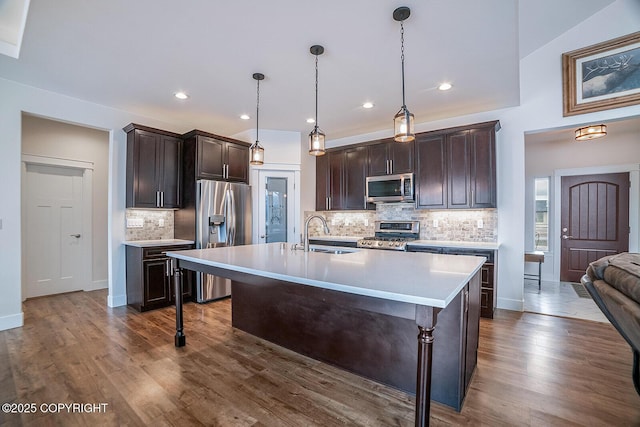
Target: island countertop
{"points": [[418, 278]]}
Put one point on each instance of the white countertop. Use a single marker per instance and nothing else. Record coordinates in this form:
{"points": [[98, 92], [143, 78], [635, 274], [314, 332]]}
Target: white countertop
{"points": [[418, 278], [493, 246], [159, 242]]}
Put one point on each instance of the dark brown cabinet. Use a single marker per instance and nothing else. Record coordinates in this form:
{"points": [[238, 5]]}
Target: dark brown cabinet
{"points": [[217, 157], [340, 179], [149, 280], [431, 172], [390, 157], [330, 181], [154, 159], [488, 293], [471, 164], [456, 169]]}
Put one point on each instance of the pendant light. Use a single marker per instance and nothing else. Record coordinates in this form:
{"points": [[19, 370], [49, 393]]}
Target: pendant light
{"points": [[257, 151], [316, 137], [403, 120]]}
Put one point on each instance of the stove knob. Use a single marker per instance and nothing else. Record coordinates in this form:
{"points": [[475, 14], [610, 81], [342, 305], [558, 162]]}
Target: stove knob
{"points": [[380, 243]]}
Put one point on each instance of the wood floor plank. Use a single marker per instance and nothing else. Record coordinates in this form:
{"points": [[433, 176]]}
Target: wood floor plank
{"points": [[532, 370]]}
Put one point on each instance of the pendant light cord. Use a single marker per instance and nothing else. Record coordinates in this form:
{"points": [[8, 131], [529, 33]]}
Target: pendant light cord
{"points": [[404, 105], [257, 109], [316, 125]]}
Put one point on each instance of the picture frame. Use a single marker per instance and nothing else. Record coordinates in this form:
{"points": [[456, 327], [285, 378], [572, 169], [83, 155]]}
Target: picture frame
{"points": [[602, 76]]}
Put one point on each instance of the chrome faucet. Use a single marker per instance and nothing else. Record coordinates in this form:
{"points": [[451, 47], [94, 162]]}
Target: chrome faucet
{"points": [[306, 229]]}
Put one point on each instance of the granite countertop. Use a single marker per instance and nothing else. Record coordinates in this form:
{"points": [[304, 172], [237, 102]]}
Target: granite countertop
{"points": [[159, 242], [417, 278], [493, 246]]}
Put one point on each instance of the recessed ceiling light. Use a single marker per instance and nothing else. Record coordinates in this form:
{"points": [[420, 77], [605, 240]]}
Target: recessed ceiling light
{"points": [[367, 105], [245, 117], [181, 95], [311, 120], [444, 86]]}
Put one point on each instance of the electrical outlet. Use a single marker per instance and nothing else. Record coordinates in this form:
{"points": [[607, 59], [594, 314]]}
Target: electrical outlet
{"points": [[161, 222], [480, 223], [366, 222], [347, 222], [435, 223]]}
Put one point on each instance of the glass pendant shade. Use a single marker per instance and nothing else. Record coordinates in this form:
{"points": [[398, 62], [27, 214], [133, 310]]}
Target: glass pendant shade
{"points": [[257, 154], [316, 142], [403, 126]]}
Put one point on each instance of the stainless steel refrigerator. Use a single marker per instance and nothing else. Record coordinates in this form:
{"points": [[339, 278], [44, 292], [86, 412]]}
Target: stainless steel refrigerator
{"points": [[223, 218]]}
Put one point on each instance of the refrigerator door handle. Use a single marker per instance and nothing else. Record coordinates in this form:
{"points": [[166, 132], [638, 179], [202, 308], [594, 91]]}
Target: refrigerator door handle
{"points": [[232, 225]]}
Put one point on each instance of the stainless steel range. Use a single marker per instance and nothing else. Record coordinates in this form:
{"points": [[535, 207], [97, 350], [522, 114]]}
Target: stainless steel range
{"points": [[391, 235]]}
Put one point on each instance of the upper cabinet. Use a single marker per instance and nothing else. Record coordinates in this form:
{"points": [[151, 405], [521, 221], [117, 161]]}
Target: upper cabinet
{"points": [[340, 179], [217, 157], [154, 159], [456, 169], [389, 157], [431, 172]]}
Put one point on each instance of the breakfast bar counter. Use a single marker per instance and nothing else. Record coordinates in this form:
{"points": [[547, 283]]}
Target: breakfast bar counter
{"points": [[357, 309]]}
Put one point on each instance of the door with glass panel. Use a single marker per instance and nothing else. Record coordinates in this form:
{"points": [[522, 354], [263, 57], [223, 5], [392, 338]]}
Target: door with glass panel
{"points": [[276, 206]]}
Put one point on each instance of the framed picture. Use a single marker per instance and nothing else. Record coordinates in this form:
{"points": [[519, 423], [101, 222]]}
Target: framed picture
{"points": [[603, 76]]}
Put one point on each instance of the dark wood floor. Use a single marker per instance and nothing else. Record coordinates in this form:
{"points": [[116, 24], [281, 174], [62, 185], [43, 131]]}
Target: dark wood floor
{"points": [[532, 370]]}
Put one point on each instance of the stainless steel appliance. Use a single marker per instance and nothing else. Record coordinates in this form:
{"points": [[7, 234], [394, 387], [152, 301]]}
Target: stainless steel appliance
{"points": [[390, 188], [223, 218], [391, 235]]}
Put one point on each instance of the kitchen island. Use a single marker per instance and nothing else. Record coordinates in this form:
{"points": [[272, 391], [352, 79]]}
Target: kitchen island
{"points": [[357, 310]]}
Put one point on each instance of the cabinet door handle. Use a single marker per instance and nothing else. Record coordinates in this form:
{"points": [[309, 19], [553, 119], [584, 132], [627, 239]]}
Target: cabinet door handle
{"points": [[168, 267], [157, 199], [387, 168], [162, 199], [326, 203], [390, 166]]}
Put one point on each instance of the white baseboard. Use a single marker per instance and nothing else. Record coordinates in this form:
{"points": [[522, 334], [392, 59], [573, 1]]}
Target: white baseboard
{"points": [[13, 321], [97, 284], [510, 304], [116, 300]]}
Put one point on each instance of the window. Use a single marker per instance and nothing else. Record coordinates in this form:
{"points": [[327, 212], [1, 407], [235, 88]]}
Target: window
{"points": [[541, 229]]}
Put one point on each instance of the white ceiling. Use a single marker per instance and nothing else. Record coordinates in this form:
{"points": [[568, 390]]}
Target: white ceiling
{"points": [[133, 55]]}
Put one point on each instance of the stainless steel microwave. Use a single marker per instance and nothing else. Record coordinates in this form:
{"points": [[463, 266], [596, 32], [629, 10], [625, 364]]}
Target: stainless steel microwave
{"points": [[390, 188]]}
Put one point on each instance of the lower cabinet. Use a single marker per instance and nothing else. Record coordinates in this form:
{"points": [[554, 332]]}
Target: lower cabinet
{"points": [[149, 280], [488, 293]]}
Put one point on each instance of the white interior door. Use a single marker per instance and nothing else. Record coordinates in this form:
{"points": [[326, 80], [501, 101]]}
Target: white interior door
{"points": [[54, 230], [276, 206]]}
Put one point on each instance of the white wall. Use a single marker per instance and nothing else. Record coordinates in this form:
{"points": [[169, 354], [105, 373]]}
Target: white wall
{"points": [[15, 100], [49, 138], [540, 109]]}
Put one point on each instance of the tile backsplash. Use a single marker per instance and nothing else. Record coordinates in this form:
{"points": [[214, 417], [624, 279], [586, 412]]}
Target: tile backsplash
{"points": [[151, 229], [466, 225]]}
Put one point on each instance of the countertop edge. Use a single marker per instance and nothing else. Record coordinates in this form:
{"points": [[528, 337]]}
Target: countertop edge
{"points": [[160, 242]]}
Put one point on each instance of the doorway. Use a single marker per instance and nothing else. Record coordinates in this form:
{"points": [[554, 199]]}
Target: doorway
{"points": [[55, 229], [276, 206], [594, 220]]}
